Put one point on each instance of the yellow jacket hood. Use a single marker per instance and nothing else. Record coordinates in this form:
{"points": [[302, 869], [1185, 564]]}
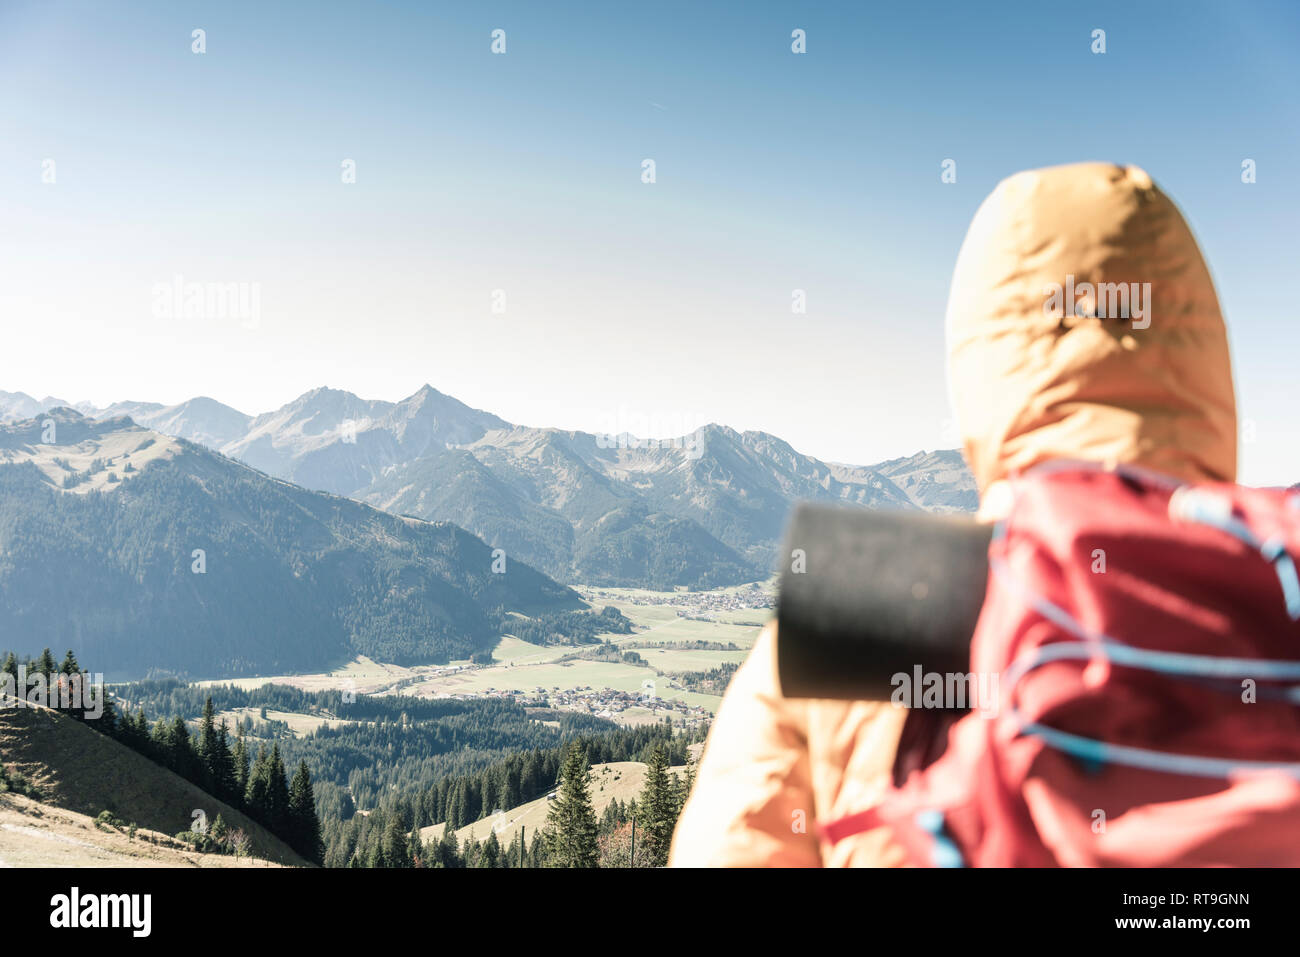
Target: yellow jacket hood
{"points": [[1132, 369]]}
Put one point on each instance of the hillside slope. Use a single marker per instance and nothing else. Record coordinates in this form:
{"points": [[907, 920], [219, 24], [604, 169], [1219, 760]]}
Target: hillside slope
{"points": [[33, 834], [77, 769]]}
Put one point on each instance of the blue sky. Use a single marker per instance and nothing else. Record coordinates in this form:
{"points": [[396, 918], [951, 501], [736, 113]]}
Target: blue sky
{"points": [[625, 302]]}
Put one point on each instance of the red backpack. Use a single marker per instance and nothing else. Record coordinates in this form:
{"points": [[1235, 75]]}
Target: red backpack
{"points": [[1143, 637]]}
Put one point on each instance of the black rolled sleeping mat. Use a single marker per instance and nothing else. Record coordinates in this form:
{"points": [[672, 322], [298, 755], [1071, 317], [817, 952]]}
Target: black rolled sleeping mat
{"points": [[879, 593]]}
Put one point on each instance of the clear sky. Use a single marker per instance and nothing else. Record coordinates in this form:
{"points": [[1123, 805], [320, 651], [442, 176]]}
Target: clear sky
{"points": [[625, 302]]}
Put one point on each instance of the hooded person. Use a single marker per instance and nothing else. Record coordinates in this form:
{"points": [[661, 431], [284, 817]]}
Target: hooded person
{"points": [[1082, 325]]}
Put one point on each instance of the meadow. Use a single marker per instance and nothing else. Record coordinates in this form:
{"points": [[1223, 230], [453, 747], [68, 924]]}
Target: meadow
{"points": [[667, 626]]}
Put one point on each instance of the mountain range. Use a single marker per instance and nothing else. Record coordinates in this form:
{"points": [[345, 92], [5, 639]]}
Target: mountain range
{"points": [[149, 553], [702, 510]]}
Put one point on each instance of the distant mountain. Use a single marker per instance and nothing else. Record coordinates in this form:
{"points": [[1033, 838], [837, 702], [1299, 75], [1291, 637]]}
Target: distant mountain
{"points": [[739, 486], [150, 553], [935, 481], [20, 405], [702, 510], [334, 441], [201, 420]]}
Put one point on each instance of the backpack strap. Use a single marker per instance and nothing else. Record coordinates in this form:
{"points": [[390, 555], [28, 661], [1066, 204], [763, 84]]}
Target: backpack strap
{"points": [[923, 834], [1205, 507], [1096, 752], [851, 824]]}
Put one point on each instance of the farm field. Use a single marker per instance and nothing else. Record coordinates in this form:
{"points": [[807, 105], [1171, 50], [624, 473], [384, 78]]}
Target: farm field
{"points": [[361, 674], [298, 723], [684, 630], [563, 676], [666, 623]]}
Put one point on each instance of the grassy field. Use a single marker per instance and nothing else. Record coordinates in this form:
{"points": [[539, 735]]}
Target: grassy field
{"points": [[563, 676], [361, 674], [683, 630], [664, 622], [298, 723], [673, 659], [514, 651], [117, 450]]}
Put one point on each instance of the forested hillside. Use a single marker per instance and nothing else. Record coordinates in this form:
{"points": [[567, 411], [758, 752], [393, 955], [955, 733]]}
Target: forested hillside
{"points": [[393, 765]]}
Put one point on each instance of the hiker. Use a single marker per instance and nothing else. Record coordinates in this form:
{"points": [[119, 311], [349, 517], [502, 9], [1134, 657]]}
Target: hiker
{"points": [[1032, 380]]}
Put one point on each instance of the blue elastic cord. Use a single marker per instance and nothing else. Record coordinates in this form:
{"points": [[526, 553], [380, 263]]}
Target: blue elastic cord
{"points": [[1093, 751], [1098, 645], [1275, 551], [1208, 509], [945, 851]]}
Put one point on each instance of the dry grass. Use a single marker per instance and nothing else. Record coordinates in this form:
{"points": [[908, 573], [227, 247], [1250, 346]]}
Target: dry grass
{"points": [[39, 835], [116, 449], [80, 770]]}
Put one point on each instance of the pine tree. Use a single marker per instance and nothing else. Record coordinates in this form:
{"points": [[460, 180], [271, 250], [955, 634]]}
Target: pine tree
{"points": [[221, 766], [490, 855], [240, 759], [278, 793], [570, 818], [180, 750], [219, 833], [135, 732], [415, 848], [207, 745], [304, 826], [159, 742], [10, 666], [107, 720], [448, 848], [68, 692], [657, 809], [470, 850], [257, 793], [45, 664], [396, 849], [685, 782], [514, 853]]}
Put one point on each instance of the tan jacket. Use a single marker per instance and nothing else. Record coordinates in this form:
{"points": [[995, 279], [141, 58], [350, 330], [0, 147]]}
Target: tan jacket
{"points": [[1032, 380]]}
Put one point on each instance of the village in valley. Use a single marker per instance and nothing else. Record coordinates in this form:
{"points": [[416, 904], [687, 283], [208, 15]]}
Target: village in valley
{"points": [[675, 664]]}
